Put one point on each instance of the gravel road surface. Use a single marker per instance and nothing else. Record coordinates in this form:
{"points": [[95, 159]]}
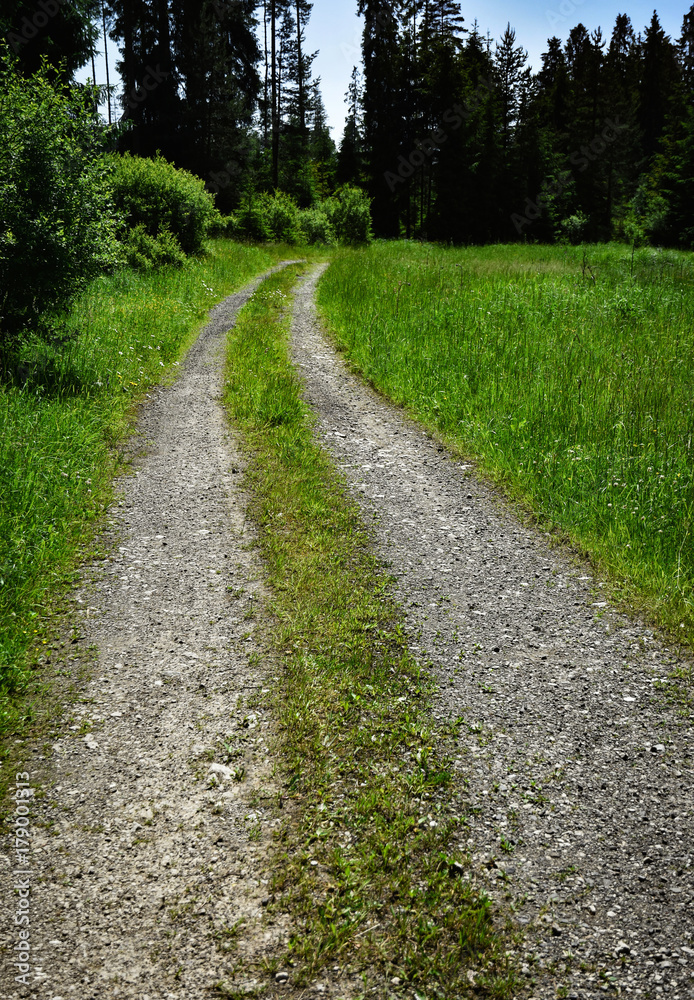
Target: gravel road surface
{"points": [[153, 811], [154, 805], [578, 767]]}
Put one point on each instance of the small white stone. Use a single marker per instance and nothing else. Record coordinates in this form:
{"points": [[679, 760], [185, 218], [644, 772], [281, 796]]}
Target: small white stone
{"points": [[222, 770]]}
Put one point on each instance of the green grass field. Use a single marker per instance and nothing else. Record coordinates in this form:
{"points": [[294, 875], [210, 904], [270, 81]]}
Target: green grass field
{"points": [[567, 371], [61, 420]]}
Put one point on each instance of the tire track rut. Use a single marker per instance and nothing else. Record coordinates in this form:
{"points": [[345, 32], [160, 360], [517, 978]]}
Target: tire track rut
{"points": [[153, 815], [577, 766]]}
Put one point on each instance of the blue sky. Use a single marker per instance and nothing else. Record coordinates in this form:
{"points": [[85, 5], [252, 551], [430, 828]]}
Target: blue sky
{"points": [[335, 30]]}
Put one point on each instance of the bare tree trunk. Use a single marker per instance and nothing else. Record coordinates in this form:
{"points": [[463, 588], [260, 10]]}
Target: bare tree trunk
{"points": [[275, 108], [267, 78], [108, 81], [300, 73]]}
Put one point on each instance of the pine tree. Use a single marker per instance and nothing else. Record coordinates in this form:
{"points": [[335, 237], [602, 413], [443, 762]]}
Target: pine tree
{"points": [[383, 111], [190, 82], [621, 75], [685, 51], [321, 147], [659, 78], [553, 88], [509, 61], [442, 19], [350, 160], [303, 62], [65, 36], [217, 58]]}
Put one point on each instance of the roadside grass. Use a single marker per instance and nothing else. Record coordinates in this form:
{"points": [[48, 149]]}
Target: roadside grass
{"points": [[374, 874], [567, 373], [64, 409]]}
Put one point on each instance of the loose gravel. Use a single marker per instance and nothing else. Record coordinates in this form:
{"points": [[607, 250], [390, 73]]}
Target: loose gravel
{"points": [[576, 764], [154, 807]]}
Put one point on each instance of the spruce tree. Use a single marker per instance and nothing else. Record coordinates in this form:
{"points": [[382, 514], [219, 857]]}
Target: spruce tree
{"points": [[65, 37], [509, 62], [685, 51], [350, 160], [383, 112], [659, 78]]}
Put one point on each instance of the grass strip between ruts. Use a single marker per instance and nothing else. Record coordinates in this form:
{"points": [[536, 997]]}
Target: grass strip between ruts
{"points": [[370, 875]]}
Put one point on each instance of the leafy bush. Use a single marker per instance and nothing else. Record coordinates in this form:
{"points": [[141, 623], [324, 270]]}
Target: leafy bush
{"points": [[250, 224], [316, 226], [574, 228], [143, 251], [345, 217], [349, 212], [57, 220], [156, 195], [218, 224], [282, 215], [646, 220]]}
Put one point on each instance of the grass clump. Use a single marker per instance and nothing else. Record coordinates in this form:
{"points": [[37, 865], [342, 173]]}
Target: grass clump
{"points": [[566, 371], [373, 877], [65, 404]]}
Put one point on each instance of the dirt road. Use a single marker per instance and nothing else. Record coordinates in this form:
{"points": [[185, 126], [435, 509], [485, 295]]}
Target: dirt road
{"points": [[154, 808], [155, 804], [578, 767]]}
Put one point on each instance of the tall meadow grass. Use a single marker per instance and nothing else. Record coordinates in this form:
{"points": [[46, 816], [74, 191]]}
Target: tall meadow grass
{"points": [[567, 371], [64, 407]]}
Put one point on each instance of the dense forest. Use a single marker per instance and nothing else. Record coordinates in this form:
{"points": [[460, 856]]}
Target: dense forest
{"points": [[452, 135]]}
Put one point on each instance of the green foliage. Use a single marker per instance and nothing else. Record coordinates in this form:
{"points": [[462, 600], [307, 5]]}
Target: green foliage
{"points": [[345, 217], [316, 227], [251, 224], [54, 33], [567, 371], [157, 196], [646, 220], [57, 222], [349, 212], [574, 228], [282, 217], [143, 251]]}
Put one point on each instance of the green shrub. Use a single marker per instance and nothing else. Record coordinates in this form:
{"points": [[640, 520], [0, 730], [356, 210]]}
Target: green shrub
{"points": [[349, 212], [573, 228], [316, 227], [57, 221], [282, 215], [143, 251], [345, 217], [231, 227], [218, 223], [155, 194], [252, 224]]}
